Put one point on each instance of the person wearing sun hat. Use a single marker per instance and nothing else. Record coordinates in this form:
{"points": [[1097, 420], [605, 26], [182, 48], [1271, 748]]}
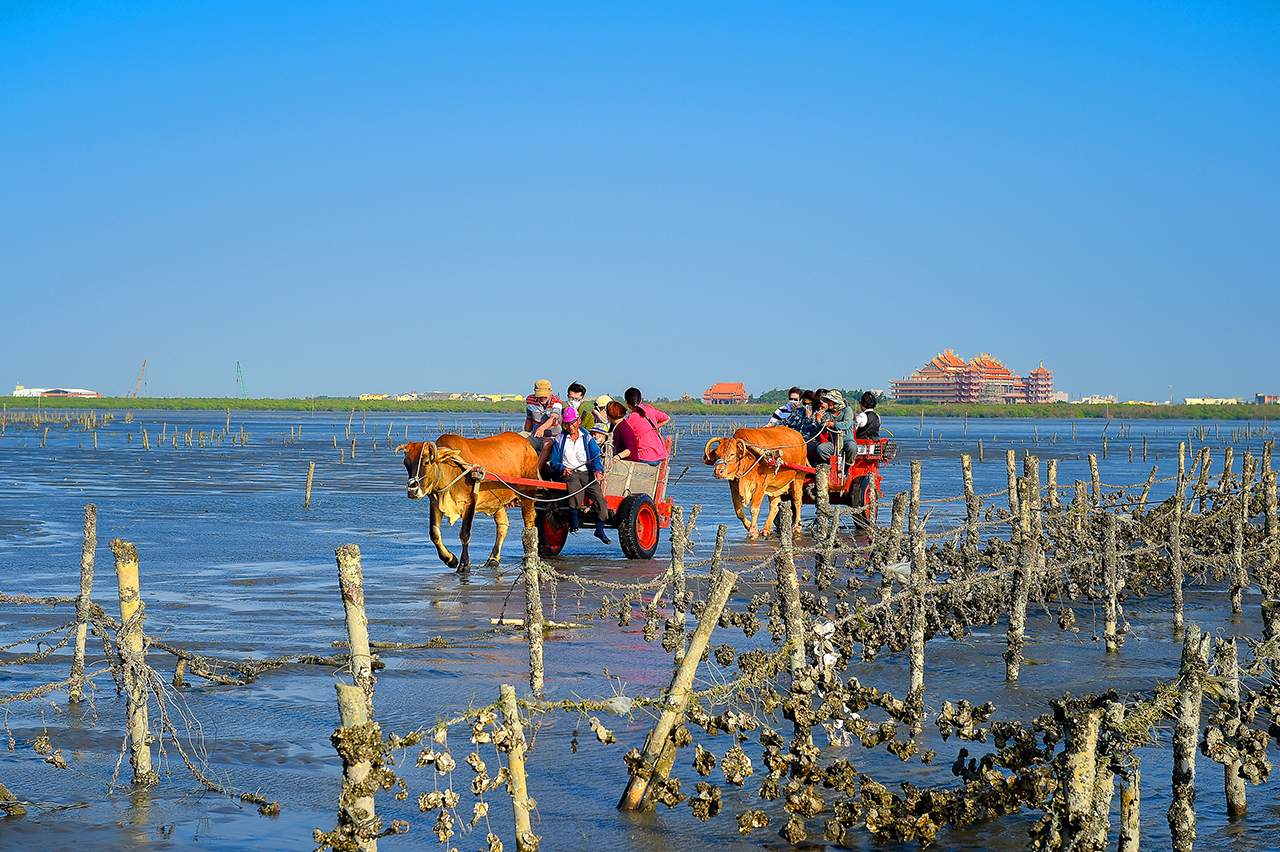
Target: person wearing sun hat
{"points": [[542, 412], [832, 421]]}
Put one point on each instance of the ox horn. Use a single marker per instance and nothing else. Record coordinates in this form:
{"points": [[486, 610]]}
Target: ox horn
{"points": [[400, 449], [706, 453]]}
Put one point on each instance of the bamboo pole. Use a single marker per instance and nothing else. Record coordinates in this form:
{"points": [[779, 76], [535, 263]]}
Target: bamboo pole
{"points": [[821, 500], [971, 507], [679, 583], [1113, 582], [789, 593], [533, 607], [76, 691], [1055, 502], [677, 698], [1228, 665], [351, 585], [1095, 480], [1011, 472], [1271, 633], [1175, 543], [133, 654], [1019, 593], [1195, 665], [357, 818], [1146, 489], [1239, 571], [517, 777], [919, 581], [311, 472], [717, 555]]}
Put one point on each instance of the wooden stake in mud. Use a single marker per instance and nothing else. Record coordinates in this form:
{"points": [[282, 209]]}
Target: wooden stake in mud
{"points": [[1021, 589], [1130, 834], [1239, 571], [311, 472], [717, 555], [357, 818], [659, 750], [981, 456], [1080, 772], [919, 581], [133, 654], [1271, 633], [1229, 677], [1269, 570], [76, 691], [896, 525], [1202, 484], [789, 591], [351, 584], [1113, 582], [1011, 471], [1096, 480], [517, 779], [533, 607], [1055, 502], [679, 588], [821, 500], [1175, 543], [1195, 665], [971, 507], [1146, 489]]}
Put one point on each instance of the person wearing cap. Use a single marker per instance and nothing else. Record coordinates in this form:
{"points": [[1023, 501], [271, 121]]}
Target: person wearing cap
{"points": [[865, 425], [542, 412], [784, 411], [576, 461], [599, 426], [831, 416]]}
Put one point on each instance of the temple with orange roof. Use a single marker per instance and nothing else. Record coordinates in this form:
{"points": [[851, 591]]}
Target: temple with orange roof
{"points": [[725, 393], [948, 378]]}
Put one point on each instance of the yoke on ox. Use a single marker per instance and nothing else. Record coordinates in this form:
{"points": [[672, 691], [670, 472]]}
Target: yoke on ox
{"points": [[452, 473], [759, 463]]}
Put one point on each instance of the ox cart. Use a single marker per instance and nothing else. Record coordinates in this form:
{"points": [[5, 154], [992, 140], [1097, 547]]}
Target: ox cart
{"points": [[636, 492], [856, 484]]}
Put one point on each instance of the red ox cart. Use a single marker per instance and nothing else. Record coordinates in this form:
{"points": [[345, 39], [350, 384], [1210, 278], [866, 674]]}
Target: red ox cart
{"points": [[855, 484], [636, 492]]}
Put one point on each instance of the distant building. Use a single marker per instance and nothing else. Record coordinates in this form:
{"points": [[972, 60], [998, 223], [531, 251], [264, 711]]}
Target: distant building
{"points": [[725, 393], [1098, 400], [1212, 400], [948, 378], [1040, 385], [1061, 396], [1267, 399], [368, 396], [19, 390]]}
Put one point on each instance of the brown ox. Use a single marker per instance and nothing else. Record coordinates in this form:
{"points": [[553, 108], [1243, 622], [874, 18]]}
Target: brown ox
{"points": [[444, 471], [744, 459]]}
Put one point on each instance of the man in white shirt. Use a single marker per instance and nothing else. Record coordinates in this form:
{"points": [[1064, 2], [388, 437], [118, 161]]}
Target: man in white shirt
{"points": [[576, 461]]}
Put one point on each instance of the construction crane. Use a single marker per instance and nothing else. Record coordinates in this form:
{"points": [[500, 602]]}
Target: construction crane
{"points": [[244, 394], [142, 373]]}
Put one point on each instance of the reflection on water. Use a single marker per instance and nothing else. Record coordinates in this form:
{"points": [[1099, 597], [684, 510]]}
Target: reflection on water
{"points": [[233, 565]]}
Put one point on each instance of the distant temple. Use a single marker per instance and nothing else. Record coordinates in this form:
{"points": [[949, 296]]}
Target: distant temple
{"points": [[948, 378], [725, 393]]}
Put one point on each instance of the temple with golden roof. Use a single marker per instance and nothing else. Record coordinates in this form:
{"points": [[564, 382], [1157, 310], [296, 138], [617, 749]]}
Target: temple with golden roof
{"points": [[948, 378]]}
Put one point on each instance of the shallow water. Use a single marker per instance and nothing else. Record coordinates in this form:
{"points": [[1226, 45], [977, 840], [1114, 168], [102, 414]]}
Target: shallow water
{"points": [[233, 565]]}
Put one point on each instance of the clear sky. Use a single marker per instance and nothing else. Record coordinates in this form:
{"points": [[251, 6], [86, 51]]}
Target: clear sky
{"points": [[388, 197]]}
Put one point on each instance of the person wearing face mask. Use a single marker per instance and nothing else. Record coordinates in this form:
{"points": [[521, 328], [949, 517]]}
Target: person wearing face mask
{"points": [[576, 461], [574, 397]]}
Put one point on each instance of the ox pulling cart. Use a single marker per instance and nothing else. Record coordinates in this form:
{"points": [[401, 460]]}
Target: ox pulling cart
{"points": [[636, 492]]}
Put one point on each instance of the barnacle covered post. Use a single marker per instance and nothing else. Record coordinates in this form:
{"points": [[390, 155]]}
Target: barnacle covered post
{"points": [[517, 779], [1011, 472], [351, 585], [76, 690], [1113, 582], [1195, 665], [1228, 664], [1175, 541], [134, 657], [533, 607], [1021, 586], [311, 472], [789, 592], [1054, 502], [971, 507], [679, 587], [1095, 480], [919, 579], [647, 766], [821, 500], [357, 820], [1239, 519]]}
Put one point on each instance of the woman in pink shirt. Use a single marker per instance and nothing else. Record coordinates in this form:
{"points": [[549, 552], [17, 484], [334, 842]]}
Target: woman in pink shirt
{"points": [[637, 437]]}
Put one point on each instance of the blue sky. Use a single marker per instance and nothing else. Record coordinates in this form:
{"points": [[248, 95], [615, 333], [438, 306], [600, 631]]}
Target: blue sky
{"points": [[391, 197]]}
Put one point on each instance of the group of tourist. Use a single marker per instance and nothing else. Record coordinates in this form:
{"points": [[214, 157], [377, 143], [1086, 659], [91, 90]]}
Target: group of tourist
{"points": [[819, 415], [574, 456]]}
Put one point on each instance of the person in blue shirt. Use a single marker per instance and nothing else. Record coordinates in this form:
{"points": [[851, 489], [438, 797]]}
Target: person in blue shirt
{"points": [[576, 461]]}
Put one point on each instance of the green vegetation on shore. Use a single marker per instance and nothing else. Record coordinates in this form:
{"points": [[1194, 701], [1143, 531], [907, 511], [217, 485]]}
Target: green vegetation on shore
{"points": [[1055, 410]]}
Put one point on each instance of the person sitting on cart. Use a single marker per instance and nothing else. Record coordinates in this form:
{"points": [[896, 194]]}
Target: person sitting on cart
{"points": [[784, 411], [542, 413], [575, 397], [576, 461], [801, 419], [864, 426], [832, 416], [636, 437]]}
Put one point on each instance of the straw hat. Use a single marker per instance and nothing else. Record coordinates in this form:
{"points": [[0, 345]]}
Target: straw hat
{"points": [[603, 399], [835, 398]]}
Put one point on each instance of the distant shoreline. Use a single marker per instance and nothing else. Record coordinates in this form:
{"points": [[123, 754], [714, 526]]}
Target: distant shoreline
{"points": [[1251, 411]]}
